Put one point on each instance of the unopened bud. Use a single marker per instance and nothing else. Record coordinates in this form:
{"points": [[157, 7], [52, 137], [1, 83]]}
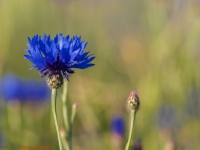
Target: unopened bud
{"points": [[133, 101], [74, 106], [55, 81], [62, 132]]}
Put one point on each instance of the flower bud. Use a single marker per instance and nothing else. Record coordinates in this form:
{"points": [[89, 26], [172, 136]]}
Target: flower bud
{"points": [[55, 81], [133, 101], [62, 133]]}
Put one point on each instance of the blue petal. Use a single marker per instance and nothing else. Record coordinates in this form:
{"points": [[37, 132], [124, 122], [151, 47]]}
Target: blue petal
{"points": [[65, 56], [56, 38], [73, 55], [81, 57], [82, 64], [61, 40]]}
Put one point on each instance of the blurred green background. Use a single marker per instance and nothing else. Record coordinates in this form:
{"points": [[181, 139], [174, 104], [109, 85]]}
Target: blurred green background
{"points": [[151, 46]]}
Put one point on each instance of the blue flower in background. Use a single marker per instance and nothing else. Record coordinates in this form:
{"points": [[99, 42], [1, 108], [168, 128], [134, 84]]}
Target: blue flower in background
{"points": [[192, 104], [10, 87], [118, 126], [57, 57], [167, 117], [35, 91]]}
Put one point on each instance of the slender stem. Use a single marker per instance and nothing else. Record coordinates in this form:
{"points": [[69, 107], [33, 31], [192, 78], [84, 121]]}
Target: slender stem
{"points": [[66, 118], [65, 143], [74, 110], [53, 104], [70, 137], [63, 138], [65, 104], [132, 119]]}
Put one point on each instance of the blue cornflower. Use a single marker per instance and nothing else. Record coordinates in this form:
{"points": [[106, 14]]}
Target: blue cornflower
{"points": [[35, 91], [167, 117], [55, 59], [118, 126], [10, 88]]}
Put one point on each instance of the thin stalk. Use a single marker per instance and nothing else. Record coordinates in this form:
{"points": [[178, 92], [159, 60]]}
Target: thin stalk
{"points": [[70, 137], [63, 138], [74, 110], [65, 105], [66, 118], [65, 143], [53, 104], [132, 119]]}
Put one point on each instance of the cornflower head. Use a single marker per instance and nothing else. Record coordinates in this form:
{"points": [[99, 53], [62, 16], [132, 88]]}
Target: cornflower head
{"points": [[117, 136], [167, 117], [133, 101], [56, 59], [133, 104], [118, 126], [10, 87], [35, 91]]}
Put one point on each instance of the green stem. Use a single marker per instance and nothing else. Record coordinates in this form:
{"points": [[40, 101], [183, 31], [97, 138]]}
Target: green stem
{"points": [[70, 138], [65, 104], [64, 142], [74, 110], [65, 117], [53, 104], [132, 119]]}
